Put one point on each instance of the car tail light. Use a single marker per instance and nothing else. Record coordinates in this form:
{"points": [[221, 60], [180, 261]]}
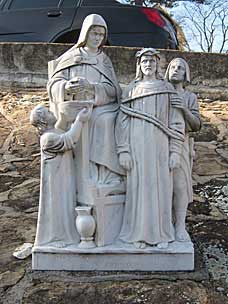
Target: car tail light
{"points": [[153, 16]]}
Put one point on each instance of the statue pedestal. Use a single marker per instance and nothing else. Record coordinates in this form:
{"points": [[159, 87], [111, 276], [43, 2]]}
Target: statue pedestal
{"points": [[119, 257]]}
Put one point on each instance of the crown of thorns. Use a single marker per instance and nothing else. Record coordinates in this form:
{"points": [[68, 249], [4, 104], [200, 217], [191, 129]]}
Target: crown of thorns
{"points": [[147, 50]]}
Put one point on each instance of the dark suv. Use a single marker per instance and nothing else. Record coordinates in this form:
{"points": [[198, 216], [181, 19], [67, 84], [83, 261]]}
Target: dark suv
{"points": [[61, 20]]}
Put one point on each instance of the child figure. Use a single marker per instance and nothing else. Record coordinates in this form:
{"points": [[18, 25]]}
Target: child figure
{"points": [[56, 221]]}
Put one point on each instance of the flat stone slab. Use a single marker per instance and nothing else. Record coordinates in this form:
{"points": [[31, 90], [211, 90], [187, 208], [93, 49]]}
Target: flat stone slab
{"points": [[177, 257]]}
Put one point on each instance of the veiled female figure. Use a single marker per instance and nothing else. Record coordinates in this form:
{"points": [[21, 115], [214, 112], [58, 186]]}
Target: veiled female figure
{"points": [[83, 73]]}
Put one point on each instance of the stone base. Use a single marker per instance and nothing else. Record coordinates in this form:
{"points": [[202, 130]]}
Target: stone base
{"points": [[178, 257]]}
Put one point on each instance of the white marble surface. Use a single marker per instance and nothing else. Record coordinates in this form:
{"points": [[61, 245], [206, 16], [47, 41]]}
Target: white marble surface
{"points": [[150, 135], [119, 257], [23, 251], [114, 163]]}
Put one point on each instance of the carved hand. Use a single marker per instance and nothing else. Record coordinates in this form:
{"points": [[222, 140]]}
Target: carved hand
{"points": [[78, 84], [69, 87], [84, 114], [174, 161], [178, 102], [125, 160]]}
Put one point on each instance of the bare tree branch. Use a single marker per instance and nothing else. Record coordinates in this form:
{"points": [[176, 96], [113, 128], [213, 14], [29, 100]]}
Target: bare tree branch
{"points": [[207, 24]]}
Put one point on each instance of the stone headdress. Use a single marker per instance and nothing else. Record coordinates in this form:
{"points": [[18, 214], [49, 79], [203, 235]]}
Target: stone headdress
{"points": [[139, 54], [187, 70], [90, 21]]}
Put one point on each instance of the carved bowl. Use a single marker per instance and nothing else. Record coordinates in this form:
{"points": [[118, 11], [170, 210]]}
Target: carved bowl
{"points": [[70, 109]]}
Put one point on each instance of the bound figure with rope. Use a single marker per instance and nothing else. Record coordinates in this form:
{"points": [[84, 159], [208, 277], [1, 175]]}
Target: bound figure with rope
{"points": [[150, 135]]}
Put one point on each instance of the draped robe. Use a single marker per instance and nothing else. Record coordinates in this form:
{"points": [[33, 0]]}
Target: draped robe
{"points": [[183, 175], [98, 71], [56, 219], [149, 141]]}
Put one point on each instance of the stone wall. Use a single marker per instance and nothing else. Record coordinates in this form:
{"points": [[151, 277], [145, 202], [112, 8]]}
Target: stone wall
{"points": [[24, 65]]}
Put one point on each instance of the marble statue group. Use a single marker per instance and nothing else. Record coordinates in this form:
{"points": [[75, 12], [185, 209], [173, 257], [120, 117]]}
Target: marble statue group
{"points": [[115, 164]]}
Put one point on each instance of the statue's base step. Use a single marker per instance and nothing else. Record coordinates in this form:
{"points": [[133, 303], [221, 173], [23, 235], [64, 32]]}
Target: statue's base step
{"points": [[177, 257]]}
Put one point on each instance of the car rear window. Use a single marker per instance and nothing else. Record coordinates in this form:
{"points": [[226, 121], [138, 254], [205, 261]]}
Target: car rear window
{"points": [[28, 4]]}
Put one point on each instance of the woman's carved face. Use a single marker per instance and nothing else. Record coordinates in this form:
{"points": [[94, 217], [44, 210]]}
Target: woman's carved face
{"points": [[95, 37], [177, 71]]}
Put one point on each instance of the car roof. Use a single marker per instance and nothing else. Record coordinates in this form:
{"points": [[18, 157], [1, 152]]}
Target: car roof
{"points": [[101, 3]]}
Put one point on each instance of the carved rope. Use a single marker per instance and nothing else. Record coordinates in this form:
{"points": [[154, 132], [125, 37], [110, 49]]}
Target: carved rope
{"points": [[131, 99], [151, 119]]}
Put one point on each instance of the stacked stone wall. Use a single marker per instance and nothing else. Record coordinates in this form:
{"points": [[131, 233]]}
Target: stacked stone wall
{"points": [[24, 65]]}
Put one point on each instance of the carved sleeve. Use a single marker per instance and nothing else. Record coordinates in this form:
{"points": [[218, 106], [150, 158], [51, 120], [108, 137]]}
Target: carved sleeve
{"points": [[176, 123], [72, 136], [122, 132], [56, 90], [193, 122], [58, 81], [51, 144], [105, 92]]}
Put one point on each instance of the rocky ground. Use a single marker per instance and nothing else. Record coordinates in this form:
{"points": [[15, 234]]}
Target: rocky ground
{"points": [[207, 222]]}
